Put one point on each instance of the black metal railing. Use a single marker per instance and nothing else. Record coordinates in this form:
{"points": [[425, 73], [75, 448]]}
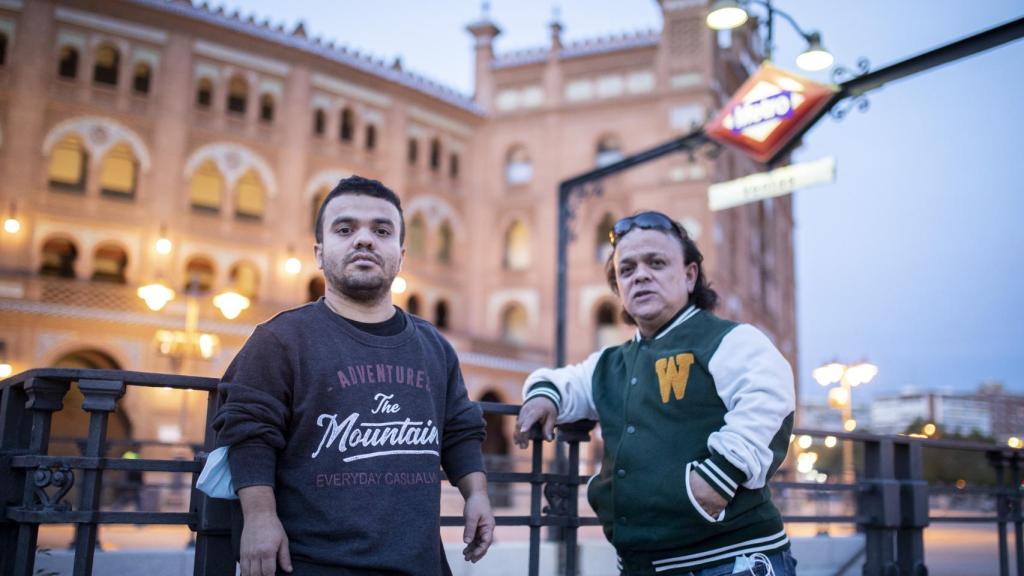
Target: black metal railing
{"points": [[889, 496]]}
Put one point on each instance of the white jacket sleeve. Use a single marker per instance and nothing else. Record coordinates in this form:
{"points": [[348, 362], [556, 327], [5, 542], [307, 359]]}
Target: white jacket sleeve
{"points": [[571, 388], [755, 382]]}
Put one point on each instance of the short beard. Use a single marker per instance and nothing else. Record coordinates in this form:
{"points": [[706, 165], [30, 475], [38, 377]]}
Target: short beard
{"points": [[364, 290]]}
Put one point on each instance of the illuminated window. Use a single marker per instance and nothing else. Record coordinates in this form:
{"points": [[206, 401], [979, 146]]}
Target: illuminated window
{"points": [[105, 69], [199, 274], [206, 191], [319, 122], [518, 167], [68, 65], [250, 197], [441, 315], [371, 137], [318, 199], [348, 125], [609, 151], [444, 248], [517, 246], [602, 239], [435, 154], [68, 163], [245, 279], [119, 172], [141, 78], [59, 255], [514, 324], [204, 93], [267, 108], [412, 152], [109, 263], [238, 95], [416, 243]]}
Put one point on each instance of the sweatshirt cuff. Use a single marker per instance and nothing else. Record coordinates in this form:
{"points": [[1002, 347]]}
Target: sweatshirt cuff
{"points": [[252, 464], [462, 458], [547, 390], [721, 475]]}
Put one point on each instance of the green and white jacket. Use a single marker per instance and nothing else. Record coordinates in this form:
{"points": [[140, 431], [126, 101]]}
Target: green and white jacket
{"points": [[704, 394]]}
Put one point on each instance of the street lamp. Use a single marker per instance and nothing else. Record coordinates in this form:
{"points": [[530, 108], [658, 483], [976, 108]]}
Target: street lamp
{"points": [[729, 14], [841, 398], [11, 224]]}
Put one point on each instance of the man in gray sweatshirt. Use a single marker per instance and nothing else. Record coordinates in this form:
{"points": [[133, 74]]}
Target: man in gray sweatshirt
{"points": [[341, 413]]}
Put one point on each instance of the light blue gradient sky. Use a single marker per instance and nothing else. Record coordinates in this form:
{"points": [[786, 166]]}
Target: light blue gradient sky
{"points": [[913, 258]]}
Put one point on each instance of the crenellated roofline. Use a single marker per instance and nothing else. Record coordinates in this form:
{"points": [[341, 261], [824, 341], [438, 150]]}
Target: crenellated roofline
{"points": [[580, 48]]}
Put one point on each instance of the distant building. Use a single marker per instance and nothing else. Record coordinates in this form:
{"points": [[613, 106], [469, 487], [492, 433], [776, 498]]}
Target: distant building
{"points": [[989, 411]]}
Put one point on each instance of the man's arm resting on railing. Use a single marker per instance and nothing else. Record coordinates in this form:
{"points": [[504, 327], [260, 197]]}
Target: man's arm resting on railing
{"points": [[559, 395], [264, 544]]}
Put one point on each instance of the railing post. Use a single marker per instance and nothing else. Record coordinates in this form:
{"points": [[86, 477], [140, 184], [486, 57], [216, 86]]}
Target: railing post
{"points": [[913, 509], [536, 488], [572, 433], [101, 398], [15, 429], [995, 458], [211, 518], [878, 505]]}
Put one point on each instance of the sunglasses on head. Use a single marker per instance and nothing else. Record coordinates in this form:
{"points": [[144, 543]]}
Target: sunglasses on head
{"points": [[644, 221]]}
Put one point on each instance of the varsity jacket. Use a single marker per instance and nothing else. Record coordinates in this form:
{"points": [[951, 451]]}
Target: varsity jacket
{"points": [[704, 395]]}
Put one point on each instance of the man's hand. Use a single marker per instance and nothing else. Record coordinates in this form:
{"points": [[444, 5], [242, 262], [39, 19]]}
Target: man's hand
{"points": [[479, 530], [711, 501], [536, 410], [264, 544]]}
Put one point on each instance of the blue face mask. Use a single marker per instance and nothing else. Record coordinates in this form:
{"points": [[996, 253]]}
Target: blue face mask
{"points": [[215, 479]]}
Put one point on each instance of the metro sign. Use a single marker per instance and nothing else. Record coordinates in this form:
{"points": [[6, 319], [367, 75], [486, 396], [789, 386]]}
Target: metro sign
{"points": [[772, 108]]}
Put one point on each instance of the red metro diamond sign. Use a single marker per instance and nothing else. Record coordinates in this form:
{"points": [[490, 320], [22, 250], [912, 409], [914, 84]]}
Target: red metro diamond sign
{"points": [[771, 109]]}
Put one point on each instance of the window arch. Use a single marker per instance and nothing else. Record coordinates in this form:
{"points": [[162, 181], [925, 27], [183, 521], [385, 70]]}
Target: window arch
{"points": [[606, 328], [412, 305], [105, 69], [316, 288], [517, 246], [204, 93], [417, 236], [245, 279], [119, 172], [267, 108], [318, 199], [518, 166], [444, 247], [250, 197], [441, 315], [199, 270], [412, 151], [602, 238], [348, 125], [371, 137], [453, 166], [435, 154], [319, 122], [58, 258], [3, 48], [514, 324], [69, 163], [206, 190], [141, 76], [238, 95], [609, 151], [109, 264], [67, 66]]}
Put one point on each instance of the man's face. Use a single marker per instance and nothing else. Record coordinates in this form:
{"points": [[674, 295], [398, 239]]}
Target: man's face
{"points": [[360, 254], [654, 283]]}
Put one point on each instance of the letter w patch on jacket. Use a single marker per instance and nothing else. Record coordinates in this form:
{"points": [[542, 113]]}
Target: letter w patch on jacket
{"points": [[673, 373]]}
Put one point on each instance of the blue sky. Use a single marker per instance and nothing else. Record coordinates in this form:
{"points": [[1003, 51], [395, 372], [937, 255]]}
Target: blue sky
{"points": [[913, 258]]}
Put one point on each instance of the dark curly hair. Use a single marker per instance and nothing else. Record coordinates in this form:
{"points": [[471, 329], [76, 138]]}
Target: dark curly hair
{"points": [[703, 296], [363, 187]]}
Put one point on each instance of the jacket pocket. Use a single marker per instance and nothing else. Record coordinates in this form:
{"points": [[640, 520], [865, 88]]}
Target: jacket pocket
{"points": [[696, 505]]}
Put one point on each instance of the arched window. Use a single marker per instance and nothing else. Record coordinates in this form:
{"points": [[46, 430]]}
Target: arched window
{"points": [[141, 78], [371, 137], [417, 236], [319, 122], [104, 71], [514, 324], [119, 172], [3, 49], [59, 255], [495, 451], [238, 95], [609, 151], [109, 263], [518, 167], [316, 288], [318, 199], [204, 93], [453, 166], [444, 244], [267, 108], [67, 67], [250, 197], [441, 315], [606, 330], [517, 246], [245, 279], [68, 164], [348, 125], [602, 240], [206, 191], [199, 274], [412, 152], [435, 154], [412, 305]]}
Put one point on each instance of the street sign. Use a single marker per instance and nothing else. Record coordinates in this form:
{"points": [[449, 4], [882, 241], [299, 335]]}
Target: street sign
{"points": [[771, 109], [771, 184]]}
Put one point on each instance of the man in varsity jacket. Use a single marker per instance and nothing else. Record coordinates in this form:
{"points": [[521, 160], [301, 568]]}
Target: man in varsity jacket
{"points": [[695, 412], [341, 413]]}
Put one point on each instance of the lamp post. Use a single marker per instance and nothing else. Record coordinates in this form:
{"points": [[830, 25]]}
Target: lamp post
{"points": [[729, 14], [841, 397]]}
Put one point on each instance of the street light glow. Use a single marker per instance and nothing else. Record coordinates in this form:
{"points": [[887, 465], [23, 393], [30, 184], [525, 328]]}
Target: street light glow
{"points": [[861, 373], [929, 429], [726, 15], [815, 58], [230, 304], [293, 265], [830, 441], [1014, 442], [164, 246], [829, 373], [156, 295], [399, 285], [12, 226], [6, 370], [850, 425], [804, 442]]}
